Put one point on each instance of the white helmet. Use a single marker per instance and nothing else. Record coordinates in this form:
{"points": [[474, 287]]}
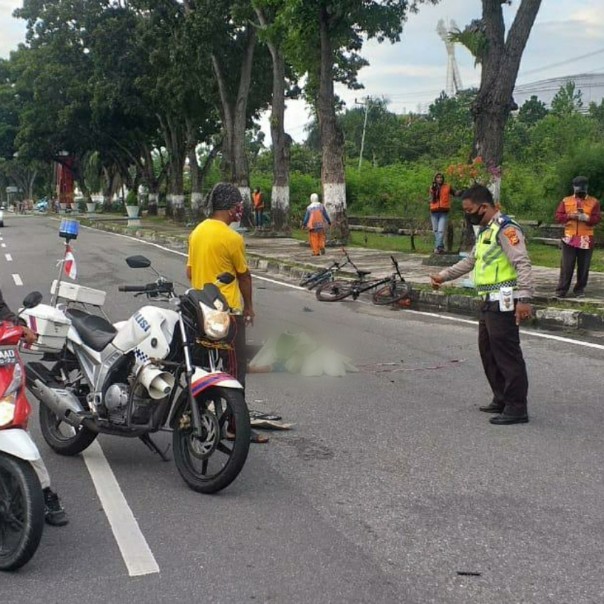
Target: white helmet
{"points": [[314, 198]]}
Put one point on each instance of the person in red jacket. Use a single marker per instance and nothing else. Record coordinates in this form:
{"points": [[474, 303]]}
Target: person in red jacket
{"points": [[440, 204], [579, 213]]}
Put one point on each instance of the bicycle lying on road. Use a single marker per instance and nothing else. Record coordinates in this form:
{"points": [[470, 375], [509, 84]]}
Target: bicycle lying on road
{"points": [[312, 280], [388, 290]]}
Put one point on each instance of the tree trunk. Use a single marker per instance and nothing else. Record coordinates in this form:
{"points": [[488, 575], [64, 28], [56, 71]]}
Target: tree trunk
{"points": [[332, 139], [175, 139], [234, 114], [281, 140], [153, 203], [493, 104]]}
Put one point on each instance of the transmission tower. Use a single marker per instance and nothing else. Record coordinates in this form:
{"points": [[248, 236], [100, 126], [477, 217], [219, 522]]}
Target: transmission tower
{"points": [[454, 84]]}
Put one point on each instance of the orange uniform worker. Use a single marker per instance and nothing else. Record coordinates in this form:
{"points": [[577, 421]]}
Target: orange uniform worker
{"points": [[258, 200], [316, 220], [579, 213]]}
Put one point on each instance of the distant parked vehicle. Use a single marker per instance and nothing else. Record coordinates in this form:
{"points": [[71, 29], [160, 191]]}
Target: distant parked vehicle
{"points": [[2, 216], [42, 205]]}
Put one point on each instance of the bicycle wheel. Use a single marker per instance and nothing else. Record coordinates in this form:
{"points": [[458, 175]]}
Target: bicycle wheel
{"points": [[331, 291], [391, 293], [320, 281], [310, 278]]}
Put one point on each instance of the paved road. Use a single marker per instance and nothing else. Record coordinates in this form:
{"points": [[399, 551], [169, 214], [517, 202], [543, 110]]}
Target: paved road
{"points": [[391, 484]]}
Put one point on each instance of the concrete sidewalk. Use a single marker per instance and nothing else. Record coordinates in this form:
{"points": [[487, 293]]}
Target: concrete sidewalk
{"points": [[290, 258]]}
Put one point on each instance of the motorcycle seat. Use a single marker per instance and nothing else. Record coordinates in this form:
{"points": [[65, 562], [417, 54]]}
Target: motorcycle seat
{"points": [[95, 331]]}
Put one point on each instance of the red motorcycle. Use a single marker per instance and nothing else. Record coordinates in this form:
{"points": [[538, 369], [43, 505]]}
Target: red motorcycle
{"points": [[21, 498]]}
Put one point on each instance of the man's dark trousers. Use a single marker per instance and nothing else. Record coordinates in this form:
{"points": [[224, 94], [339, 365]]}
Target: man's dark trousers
{"points": [[502, 360], [570, 257], [237, 357]]}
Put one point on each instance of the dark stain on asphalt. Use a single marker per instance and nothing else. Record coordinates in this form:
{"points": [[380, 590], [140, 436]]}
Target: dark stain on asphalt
{"points": [[309, 449]]}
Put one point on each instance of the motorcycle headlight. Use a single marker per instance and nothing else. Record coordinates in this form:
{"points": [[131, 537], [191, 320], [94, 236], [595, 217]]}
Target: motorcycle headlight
{"points": [[7, 410], [216, 323]]}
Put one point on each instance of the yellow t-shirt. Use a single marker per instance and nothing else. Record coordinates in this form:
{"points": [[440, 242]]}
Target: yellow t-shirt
{"points": [[215, 248]]}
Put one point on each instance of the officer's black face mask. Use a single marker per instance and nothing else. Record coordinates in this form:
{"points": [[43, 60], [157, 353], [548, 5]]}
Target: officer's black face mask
{"points": [[475, 218]]}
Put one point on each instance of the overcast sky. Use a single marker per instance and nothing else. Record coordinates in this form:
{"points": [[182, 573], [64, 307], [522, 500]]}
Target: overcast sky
{"points": [[413, 71]]}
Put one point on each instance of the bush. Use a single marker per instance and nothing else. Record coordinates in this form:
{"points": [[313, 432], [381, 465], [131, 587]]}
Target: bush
{"points": [[131, 199], [585, 160]]}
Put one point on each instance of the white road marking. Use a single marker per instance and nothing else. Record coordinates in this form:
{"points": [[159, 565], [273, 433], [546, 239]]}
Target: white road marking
{"points": [[135, 551], [2, 244], [17, 279], [534, 334], [8, 257]]}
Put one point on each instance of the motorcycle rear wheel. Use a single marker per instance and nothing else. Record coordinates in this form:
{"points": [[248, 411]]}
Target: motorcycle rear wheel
{"points": [[21, 512], [225, 433], [61, 437]]}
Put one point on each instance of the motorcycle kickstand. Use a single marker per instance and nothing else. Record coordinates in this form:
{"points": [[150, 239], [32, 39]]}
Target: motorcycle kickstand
{"points": [[146, 440]]}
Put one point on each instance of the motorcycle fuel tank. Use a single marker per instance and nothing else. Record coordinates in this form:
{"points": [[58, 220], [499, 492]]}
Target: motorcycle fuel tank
{"points": [[149, 330]]}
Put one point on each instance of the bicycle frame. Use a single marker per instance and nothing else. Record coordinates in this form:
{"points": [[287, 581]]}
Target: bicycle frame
{"points": [[325, 274], [360, 285]]}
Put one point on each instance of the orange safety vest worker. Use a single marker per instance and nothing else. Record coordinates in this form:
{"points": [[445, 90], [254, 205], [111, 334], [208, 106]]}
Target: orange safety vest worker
{"points": [[258, 200], [442, 202], [575, 228]]}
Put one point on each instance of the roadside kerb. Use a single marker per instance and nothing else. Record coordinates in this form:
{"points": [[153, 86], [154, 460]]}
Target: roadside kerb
{"points": [[546, 317]]}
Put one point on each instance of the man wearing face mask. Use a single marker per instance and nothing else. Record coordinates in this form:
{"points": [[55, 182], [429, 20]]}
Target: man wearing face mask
{"points": [[579, 213], [503, 279], [215, 248]]}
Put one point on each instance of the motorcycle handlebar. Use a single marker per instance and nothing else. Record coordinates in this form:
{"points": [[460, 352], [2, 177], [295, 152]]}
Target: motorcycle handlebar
{"points": [[133, 288], [163, 287]]}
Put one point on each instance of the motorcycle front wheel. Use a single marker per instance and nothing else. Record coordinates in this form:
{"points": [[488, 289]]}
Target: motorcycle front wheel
{"points": [[210, 461], [21, 512]]}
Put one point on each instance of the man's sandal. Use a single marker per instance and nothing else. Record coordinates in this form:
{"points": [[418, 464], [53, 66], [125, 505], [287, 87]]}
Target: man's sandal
{"points": [[255, 437]]}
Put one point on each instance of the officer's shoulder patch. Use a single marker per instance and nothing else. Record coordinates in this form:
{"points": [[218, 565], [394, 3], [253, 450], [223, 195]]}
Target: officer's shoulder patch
{"points": [[512, 235]]}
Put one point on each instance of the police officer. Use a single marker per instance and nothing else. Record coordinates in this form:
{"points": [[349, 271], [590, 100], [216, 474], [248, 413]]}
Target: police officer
{"points": [[503, 279]]}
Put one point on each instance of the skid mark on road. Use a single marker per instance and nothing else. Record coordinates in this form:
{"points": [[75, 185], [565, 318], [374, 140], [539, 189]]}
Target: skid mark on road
{"points": [[135, 551]]}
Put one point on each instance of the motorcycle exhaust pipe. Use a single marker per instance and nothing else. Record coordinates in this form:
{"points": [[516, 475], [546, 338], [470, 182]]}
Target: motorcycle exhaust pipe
{"points": [[62, 403], [158, 383]]}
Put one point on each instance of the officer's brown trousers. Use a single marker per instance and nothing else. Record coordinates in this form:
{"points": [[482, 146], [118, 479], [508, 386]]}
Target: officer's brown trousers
{"points": [[502, 360]]}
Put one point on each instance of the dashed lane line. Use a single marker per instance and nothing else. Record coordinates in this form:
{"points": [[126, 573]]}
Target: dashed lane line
{"points": [[8, 257], [17, 279]]}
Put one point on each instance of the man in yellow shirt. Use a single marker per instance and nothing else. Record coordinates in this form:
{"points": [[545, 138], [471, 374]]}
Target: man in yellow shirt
{"points": [[215, 248]]}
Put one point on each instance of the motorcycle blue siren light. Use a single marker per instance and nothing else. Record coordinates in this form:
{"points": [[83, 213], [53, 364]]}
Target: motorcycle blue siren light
{"points": [[69, 229]]}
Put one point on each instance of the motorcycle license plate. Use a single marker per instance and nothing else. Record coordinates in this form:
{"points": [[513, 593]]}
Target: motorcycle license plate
{"points": [[8, 356]]}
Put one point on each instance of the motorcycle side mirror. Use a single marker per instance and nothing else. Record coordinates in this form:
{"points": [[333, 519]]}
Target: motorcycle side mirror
{"points": [[138, 262], [32, 299], [226, 278]]}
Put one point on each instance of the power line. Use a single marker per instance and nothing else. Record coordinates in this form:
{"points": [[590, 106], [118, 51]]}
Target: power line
{"points": [[565, 62]]}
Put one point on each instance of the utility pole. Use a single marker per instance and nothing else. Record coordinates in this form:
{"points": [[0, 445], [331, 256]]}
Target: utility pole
{"points": [[366, 103]]}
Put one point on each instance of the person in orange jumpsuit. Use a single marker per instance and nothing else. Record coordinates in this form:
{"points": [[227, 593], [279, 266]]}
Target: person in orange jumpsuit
{"points": [[316, 221]]}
